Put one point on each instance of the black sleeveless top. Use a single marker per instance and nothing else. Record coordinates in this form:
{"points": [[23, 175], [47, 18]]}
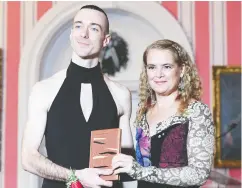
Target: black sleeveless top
{"points": [[67, 133]]}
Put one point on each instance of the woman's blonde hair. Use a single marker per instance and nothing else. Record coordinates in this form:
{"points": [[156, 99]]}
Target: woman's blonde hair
{"points": [[191, 84]]}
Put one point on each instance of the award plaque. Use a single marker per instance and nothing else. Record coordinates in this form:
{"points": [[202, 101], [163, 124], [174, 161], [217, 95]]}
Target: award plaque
{"points": [[104, 145]]}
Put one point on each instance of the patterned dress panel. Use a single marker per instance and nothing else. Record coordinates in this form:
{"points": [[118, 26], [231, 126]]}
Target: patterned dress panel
{"points": [[173, 149]]}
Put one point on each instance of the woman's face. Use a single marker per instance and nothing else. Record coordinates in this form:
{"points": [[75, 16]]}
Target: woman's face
{"points": [[162, 72]]}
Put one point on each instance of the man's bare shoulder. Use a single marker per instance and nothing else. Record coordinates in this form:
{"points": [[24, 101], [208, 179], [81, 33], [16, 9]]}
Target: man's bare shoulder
{"points": [[45, 90], [52, 82], [120, 90]]}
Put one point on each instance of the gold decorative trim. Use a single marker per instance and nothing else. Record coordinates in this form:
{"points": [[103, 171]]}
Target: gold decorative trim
{"points": [[217, 70], [1, 102]]}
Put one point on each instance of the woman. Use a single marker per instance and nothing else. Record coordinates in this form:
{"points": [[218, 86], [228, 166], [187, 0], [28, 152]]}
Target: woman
{"points": [[174, 129]]}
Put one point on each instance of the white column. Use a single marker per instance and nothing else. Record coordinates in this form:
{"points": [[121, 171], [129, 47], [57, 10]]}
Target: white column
{"points": [[2, 12], [186, 18], [28, 14], [218, 33]]}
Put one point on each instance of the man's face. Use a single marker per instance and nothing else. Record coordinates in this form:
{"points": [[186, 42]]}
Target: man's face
{"points": [[88, 34]]}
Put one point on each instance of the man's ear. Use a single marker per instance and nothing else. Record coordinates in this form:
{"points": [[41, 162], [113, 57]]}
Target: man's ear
{"points": [[70, 35], [106, 40]]}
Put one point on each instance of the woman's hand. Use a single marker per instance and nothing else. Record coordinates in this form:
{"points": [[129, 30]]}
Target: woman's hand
{"points": [[90, 177], [122, 163]]}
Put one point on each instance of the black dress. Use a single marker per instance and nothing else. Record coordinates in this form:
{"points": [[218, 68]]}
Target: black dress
{"points": [[67, 132]]}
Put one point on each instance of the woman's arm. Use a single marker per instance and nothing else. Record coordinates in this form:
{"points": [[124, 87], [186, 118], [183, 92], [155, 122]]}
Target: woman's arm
{"points": [[200, 147]]}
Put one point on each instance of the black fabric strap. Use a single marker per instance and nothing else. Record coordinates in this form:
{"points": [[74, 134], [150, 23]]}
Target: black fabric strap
{"points": [[67, 132]]}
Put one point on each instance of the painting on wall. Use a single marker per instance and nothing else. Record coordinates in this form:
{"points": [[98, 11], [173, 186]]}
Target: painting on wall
{"points": [[227, 115]]}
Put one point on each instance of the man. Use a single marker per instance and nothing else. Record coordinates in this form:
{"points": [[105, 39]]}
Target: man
{"points": [[68, 106]]}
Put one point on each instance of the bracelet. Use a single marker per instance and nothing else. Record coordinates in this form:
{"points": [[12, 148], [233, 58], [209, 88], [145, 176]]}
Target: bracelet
{"points": [[72, 181]]}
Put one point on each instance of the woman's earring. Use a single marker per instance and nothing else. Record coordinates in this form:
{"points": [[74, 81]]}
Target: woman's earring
{"points": [[181, 85], [152, 96]]}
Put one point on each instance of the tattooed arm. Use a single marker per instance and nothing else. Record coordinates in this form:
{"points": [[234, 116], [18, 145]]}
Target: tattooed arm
{"points": [[32, 160], [200, 147]]}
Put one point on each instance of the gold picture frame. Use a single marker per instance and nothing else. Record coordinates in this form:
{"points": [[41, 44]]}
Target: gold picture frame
{"points": [[227, 115], [1, 81], [1, 102]]}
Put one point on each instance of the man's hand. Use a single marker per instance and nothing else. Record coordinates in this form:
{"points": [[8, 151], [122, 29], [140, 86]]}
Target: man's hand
{"points": [[89, 177]]}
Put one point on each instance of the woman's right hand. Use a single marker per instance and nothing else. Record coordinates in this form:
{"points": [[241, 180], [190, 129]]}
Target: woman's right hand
{"points": [[122, 163]]}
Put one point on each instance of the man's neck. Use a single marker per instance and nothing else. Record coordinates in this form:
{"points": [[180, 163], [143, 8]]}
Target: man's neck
{"points": [[87, 63]]}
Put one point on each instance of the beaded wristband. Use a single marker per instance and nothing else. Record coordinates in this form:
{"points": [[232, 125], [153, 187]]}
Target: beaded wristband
{"points": [[73, 181]]}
